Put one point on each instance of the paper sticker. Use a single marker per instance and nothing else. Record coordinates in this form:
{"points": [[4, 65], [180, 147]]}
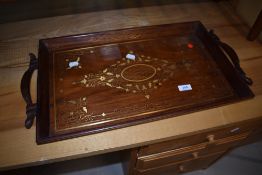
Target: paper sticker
{"points": [[184, 87], [130, 56], [73, 64]]}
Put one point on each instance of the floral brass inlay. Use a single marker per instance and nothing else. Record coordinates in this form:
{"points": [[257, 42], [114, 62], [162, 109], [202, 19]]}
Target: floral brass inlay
{"points": [[136, 79], [79, 112], [140, 76], [150, 73]]}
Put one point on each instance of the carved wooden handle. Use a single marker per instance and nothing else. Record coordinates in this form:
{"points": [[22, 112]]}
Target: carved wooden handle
{"points": [[232, 56], [31, 108]]}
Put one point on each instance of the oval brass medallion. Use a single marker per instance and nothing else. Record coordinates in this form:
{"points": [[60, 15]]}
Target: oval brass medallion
{"points": [[138, 72]]}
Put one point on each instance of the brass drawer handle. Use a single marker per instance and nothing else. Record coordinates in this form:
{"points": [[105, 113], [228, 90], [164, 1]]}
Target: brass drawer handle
{"points": [[235, 130], [211, 138], [195, 155], [181, 168]]}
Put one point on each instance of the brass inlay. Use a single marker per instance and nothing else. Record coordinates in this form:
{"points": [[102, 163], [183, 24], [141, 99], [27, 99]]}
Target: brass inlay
{"points": [[114, 80], [116, 76], [108, 120], [138, 80]]}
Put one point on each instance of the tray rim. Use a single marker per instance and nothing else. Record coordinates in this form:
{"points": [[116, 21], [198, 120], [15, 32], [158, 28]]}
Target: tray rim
{"points": [[216, 52]]}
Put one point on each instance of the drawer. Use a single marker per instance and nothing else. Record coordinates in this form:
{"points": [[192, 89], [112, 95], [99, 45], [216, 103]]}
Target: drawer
{"points": [[254, 136], [186, 166], [204, 137], [188, 153]]}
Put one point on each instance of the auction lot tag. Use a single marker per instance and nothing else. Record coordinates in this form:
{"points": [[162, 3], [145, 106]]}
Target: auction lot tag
{"points": [[184, 87]]}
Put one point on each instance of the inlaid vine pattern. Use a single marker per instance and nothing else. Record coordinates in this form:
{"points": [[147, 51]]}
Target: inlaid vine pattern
{"points": [[154, 72]]}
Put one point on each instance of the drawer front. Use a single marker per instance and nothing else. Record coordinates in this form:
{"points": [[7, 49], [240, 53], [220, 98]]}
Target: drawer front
{"points": [[254, 136], [174, 156], [188, 153], [186, 166], [225, 143], [205, 137]]}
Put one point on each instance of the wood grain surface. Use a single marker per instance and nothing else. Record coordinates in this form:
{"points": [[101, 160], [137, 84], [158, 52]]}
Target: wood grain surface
{"points": [[105, 90], [18, 147]]}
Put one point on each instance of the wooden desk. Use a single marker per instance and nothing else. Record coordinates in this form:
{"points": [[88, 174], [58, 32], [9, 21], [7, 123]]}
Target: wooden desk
{"points": [[18, 147]]}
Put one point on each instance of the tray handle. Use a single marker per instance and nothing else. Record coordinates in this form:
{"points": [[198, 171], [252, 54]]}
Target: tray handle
{"points": [[233, 57], [31, 108]]}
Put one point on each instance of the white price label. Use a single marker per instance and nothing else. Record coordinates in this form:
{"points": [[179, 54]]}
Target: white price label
{"points": [[130, 56], [184, 87]]}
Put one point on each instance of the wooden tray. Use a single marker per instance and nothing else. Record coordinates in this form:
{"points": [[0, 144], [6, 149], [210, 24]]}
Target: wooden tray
{"points": [[88, 83]]}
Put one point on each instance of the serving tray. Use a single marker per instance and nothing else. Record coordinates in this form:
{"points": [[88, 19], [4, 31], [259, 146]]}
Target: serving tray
{"points": [[101, 81]]}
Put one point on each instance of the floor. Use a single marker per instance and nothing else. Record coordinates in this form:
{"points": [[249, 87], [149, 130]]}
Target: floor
{"points": [[246, 160]]}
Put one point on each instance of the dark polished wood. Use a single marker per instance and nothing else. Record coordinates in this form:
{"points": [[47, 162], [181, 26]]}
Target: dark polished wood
{"points": [[87, 85], [129, 159]]}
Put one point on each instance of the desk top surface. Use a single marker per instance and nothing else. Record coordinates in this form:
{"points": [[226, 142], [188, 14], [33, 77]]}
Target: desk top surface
{"points": [[18, 147]]}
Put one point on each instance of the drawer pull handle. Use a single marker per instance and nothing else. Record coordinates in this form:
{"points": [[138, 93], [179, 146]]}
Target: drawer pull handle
{"points": [[211, 138], [235, 130], [181, 168], [195, 155]]}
